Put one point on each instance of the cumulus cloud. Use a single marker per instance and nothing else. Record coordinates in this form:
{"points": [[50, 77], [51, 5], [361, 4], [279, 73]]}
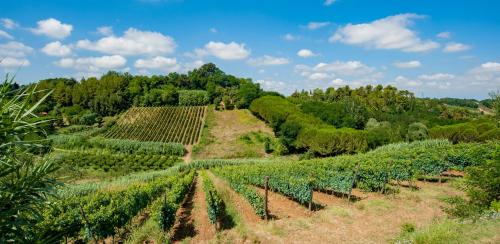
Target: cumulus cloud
{"points": [[268, 60], [10, 62], [133, 42], [158, 62], [316, 25], [391, 32], [305, 53], [105, 30], [444, 35], [56, 49], [8, 23], [487, 71], [408, 65], [454, 47], [329, 2], [53, 28], [14, 49], [93, 64], [226, 51], [4, 34]]}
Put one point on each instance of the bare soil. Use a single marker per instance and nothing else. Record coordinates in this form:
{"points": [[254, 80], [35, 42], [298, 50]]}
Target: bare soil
{"points": [[280, 207]]}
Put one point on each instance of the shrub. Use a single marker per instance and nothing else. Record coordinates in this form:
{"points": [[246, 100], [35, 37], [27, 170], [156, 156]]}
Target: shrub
{"points": [[417, 132], [331, 141], [88, 119]]}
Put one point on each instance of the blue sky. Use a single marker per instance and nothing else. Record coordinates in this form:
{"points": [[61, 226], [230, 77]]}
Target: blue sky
{"points": [[433, 48]]}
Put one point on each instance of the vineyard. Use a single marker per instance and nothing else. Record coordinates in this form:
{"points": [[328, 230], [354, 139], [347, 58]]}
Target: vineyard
{"points": [[160, 124], [97, 211]]}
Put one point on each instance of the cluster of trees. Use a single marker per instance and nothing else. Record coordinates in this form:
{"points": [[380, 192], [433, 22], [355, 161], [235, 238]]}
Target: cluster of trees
{"points": [[300, 131], [115, 92], [479, 130]]}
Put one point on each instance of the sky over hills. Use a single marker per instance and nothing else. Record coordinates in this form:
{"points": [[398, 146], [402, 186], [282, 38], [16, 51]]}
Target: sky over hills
{"points": [[433, 48]]}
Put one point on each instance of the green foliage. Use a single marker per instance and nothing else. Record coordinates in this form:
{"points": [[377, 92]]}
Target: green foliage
{"points": [[339, 114], [215, 205], [193, 98], [417, 132], [159, 124], [113, 162], [470, 103], [89, 119], [72, 141], [251, 195], [25, 182], [303, 131], [482, 130], [331, 141], [106, 211]]}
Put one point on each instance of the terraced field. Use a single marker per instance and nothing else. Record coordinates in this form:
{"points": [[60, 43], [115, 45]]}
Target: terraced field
{"points": [[161, 124]]}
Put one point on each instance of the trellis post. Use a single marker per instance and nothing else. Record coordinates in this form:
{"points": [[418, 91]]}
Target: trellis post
{"points": [[266, 187]]}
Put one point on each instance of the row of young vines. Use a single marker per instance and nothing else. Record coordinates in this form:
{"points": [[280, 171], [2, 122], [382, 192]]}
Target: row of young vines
{"points": [[103, 213], [161, 124]]}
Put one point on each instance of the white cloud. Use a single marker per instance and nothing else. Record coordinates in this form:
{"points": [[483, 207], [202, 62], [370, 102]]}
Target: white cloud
{"points": [[338, 82], [213, 30], [8, 23], [56, 49], [158, 62], [486, 71], [105, 30], [305, 53], [268, 60], [388, 33], [133, 42], [357, 72], [10, 62], [226, 51], [14, 49], [444, 35], [4, 34], [453, 47], [329, 2], [438, 76], [290, 37], [316, 25], [272, 85], [93, 64], [53, 28], [408, 65], [318, 76]]}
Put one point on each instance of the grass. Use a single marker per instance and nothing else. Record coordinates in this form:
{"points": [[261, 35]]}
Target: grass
{"points": [[148, 231], [455, 231], [206, 136]]}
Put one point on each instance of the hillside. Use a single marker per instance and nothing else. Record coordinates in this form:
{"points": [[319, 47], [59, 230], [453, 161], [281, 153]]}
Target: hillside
{"points": [[233, 134]]}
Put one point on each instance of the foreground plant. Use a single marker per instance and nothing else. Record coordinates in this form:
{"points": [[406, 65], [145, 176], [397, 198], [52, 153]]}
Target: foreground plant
{"points": [[24, 181]]}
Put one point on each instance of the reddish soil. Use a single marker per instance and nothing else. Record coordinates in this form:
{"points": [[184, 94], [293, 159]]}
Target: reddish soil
{"points": [[193, 218], [280, 207]]}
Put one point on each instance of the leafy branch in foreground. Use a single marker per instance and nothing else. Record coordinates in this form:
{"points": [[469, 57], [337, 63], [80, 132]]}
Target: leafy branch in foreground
{"points": [[24, 180]]}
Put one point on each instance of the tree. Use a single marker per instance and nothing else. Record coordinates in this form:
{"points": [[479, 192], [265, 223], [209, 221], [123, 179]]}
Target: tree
{"points": [[495, 96], [24, 181]]}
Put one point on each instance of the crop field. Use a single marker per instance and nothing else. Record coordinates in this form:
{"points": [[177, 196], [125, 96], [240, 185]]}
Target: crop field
{"points": [[160, 124]]}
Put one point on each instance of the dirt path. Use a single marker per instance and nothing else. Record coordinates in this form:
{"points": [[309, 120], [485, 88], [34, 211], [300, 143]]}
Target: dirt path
{"points": [[187, 157], [280, 207], [184, 227], [194, 225], [244, 208]]}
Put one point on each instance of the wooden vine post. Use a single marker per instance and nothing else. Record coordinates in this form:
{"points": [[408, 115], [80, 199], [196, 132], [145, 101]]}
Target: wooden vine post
{"points": [[266, 187], [355, 175], [311, 183]]}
